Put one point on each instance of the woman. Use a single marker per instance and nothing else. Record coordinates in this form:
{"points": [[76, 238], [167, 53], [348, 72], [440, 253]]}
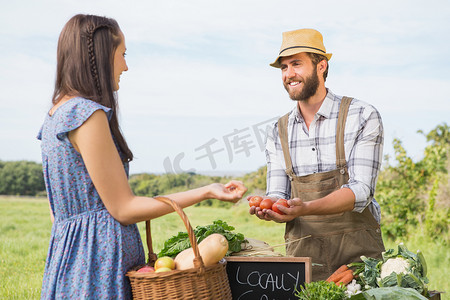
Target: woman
{"points": [[94, 239]]}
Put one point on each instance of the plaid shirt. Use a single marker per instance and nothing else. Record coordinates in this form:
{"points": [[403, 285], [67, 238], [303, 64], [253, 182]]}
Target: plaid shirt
{"points": [[313, 150]]}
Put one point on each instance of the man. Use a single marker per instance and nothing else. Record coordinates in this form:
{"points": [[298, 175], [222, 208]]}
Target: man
{"points": [[324, 156]]}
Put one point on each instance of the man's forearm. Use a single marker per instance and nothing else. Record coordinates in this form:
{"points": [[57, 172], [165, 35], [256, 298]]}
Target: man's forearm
{"points": [[336, 202]]}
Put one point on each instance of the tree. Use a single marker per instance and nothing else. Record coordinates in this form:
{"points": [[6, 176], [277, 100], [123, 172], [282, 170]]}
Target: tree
{"points": [[409, 193], [21, 178]]}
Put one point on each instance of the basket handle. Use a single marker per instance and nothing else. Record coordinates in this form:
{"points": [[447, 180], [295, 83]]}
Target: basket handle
{"points": [[198, 261]]}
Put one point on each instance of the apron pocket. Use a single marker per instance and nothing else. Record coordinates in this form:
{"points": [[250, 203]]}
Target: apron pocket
{"points": [[351, 246]]}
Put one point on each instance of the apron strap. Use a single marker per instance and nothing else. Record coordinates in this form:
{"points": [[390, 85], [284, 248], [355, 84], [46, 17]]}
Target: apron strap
{"points": [[283, 133], [340, 130]]}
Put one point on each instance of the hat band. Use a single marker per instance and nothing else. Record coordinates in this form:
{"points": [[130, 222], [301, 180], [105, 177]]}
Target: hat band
{"points": [[301, 47]]}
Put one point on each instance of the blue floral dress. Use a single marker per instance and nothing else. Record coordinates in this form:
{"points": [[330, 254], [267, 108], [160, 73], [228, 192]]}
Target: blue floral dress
{"points": [[89, 251]]}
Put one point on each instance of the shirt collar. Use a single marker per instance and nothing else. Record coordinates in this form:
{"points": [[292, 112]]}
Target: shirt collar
{"points": [[324, 110], [327, 105]]}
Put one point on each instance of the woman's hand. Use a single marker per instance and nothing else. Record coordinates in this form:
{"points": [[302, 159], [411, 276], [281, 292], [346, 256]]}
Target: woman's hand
{"points": [[232, 191]]}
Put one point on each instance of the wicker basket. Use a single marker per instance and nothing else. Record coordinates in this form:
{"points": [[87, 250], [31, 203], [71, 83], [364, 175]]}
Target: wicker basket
{"points": [[200, 282]]}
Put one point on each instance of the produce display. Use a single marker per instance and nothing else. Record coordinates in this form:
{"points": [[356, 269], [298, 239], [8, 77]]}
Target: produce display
{"points": [[180, 242], [212, 249], [399, 274], [401, 268], [167, 277], [215, 241]]}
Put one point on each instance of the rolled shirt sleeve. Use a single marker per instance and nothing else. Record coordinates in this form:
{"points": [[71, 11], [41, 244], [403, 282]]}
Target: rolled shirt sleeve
{"points": [[365, 158], [278, 183]]}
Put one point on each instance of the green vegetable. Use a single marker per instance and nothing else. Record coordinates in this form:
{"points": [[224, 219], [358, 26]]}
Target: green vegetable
{"points": [[321, 290], [368, 271], [400, 268], [180, 242], [388, 293]]}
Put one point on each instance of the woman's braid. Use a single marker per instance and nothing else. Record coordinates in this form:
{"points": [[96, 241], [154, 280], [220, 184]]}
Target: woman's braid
{"points": [[91, 50]]}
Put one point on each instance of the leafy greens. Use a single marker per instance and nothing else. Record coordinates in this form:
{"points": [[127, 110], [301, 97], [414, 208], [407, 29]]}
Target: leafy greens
{"points": [[388, 293], [180, 242], [320, 290]]}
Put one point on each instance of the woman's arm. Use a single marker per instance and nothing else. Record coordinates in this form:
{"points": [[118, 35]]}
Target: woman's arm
{"points": [[94, 142]]}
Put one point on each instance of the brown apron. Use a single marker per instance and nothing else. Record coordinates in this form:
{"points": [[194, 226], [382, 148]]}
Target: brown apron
{"points": [[334, 239]]}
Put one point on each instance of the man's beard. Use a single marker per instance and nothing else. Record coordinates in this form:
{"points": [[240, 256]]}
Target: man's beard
{"points": [[309, 89]]}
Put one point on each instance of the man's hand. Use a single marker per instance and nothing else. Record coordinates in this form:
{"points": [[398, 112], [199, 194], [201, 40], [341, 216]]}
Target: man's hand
{"points": [[339, 201], [295, 209]]}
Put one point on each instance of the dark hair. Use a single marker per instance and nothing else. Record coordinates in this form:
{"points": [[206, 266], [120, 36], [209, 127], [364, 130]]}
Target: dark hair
{"points": [[316, 58], [85, 66]]}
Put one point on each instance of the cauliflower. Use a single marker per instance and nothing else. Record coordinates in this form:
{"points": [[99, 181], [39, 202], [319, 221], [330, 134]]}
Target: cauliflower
{"points": [[397, 265], [400, 268], [353, 288]]}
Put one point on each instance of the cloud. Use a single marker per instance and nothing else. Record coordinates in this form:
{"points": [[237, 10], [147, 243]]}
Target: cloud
{"points": [[199, 69]]}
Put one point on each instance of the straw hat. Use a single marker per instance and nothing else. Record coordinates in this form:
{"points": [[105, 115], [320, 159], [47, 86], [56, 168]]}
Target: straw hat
{"points": [[301, 40]]}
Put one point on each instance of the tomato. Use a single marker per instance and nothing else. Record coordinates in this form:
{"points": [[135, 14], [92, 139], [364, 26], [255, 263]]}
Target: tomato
{"points": [[282, 202], [266, 203], [254, 201]]}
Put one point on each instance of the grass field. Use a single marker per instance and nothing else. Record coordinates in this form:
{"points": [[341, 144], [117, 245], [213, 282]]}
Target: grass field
{"points": [[25, 230]]}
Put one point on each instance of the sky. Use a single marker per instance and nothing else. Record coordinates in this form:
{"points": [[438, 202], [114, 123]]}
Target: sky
{"points": [[200, 94]]}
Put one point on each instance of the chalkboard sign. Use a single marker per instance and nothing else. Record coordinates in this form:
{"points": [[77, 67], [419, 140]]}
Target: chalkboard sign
{"points": [[267, 278]]}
